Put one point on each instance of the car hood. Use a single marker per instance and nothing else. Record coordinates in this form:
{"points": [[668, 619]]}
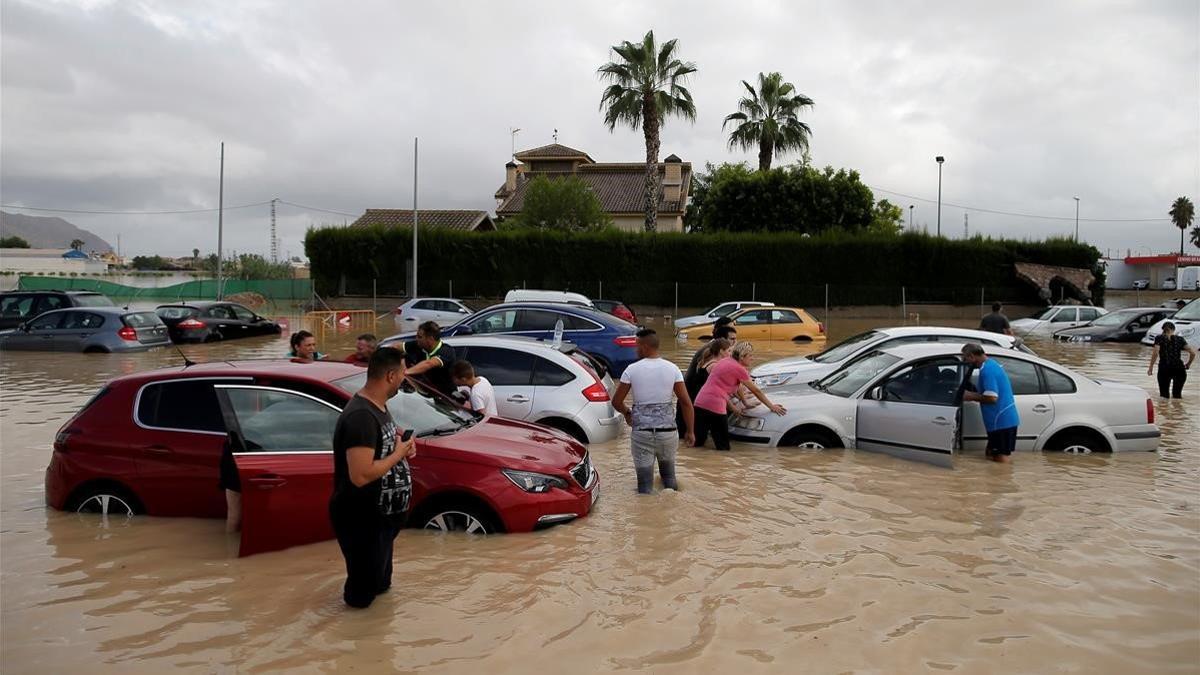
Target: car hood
{"points": [[689, 321], [792, 364], [509, 444]]}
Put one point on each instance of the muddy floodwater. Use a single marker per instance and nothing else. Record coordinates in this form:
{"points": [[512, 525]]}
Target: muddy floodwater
{"points": [[764, 561]]}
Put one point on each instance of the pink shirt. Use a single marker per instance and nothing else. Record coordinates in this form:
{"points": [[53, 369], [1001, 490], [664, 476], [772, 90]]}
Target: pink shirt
{"points": [[723, 381]]}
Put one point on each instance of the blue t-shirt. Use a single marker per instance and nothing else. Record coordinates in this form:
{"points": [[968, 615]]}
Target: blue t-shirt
{"points": [[993, 381]]}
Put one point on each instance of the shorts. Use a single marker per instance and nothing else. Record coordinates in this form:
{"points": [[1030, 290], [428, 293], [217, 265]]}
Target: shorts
{"points": [[1002, 441], [648, 446]]}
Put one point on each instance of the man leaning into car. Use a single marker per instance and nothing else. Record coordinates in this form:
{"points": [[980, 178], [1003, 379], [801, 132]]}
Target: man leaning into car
{"points": [[996, 402]]}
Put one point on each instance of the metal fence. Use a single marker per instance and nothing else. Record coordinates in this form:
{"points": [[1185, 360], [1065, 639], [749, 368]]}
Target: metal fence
{"points": [[274, 290]]}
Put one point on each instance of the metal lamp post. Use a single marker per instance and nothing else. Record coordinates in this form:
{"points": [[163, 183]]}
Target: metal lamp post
{"points": [[940, 161], [910, 210], [1077, 220]]}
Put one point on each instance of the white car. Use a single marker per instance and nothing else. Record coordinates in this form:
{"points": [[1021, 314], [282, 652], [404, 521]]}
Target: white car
{"points": [[532, 295], [445, 311], [558, 386], [1187, 325], [1055, 318], [723, 309], [1168, 284], [906, 401], [1141, 284], [802, 369]]}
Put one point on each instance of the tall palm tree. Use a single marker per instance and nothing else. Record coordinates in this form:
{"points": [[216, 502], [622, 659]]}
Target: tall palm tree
{"points": [[767, 118], [1183, 212], [1196, 236], [646, 88]]}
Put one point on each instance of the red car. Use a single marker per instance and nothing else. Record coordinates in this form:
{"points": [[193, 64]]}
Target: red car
{"points": [[151, 443], [617, 309]]}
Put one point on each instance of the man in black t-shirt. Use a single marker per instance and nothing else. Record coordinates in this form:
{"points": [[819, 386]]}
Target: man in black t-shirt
{"points": [[429, 359], [996, 322], [372, 485]]}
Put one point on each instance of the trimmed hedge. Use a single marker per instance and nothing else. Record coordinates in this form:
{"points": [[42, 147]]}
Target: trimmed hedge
{"points": [[643, 268]]}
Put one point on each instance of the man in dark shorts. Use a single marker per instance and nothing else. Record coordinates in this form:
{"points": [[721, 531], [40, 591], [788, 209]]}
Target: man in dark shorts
{"points": [[429, 359], [372, 485], [996, 402], [996, 322]]}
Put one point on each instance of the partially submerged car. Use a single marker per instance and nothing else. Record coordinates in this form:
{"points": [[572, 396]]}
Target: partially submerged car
{"points": [[94, 330], [1124, 325], [210, 321], [1056, 317], [802, 369], [151, 443], [907, 401], [765, 323], [723, 309], [1187, 325]]}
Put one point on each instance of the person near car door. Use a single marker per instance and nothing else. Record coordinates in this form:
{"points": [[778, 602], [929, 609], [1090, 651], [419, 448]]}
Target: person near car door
{"points": [[722, 331], [996, 402], [996, 322], [724, 380], [480, 396], [364, 347], [372, 484], [1168, 352], [654, 384], [429, 359], [304, 347]]}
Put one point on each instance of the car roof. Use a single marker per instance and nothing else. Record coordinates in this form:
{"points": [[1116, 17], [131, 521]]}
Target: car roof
{"points": [[114, 311], [512, 341], [431, 297], [552, 307], [923, 350], [319, 371], [47, 291], [908, 331], [198, 304], [762, 306]]}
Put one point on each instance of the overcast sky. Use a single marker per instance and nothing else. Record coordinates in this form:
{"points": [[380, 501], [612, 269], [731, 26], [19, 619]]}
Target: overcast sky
{"points": [[121, 106]]}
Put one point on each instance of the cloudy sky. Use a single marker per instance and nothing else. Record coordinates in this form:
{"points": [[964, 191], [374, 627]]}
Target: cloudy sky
{"points": [[121, 106]]}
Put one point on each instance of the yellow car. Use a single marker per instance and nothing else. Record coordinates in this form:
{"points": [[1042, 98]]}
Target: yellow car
{"points": [[765, 323]]}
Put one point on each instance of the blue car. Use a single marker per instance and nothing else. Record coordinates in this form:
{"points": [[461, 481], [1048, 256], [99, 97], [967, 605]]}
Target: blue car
{"points": [[607, 338]]}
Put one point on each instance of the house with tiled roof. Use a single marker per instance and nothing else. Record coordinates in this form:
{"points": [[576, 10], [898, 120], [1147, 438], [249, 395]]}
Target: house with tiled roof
{"points": [[448, 219], [618, 185]]}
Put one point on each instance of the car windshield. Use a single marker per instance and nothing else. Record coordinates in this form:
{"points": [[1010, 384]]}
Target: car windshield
{"points": [[92, 300], [846, 347], [1190, 312], [1116, 318], [141, 319], [722, 310], [418, 408], [851, 378], [175, 312], [1045, 313]]}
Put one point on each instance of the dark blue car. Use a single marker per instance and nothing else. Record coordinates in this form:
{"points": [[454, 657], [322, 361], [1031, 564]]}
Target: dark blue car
{"points": [[609, 339]]}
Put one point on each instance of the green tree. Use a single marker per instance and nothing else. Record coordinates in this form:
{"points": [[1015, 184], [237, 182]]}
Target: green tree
{"points": [[1183, 212], [887, 218], [13, 242], [148, 262], [561, 204], [251, 266], [702, 182], [768, 119], [789, 199], [646, 88], [77, 244], [1196, 236], [195, 254]]}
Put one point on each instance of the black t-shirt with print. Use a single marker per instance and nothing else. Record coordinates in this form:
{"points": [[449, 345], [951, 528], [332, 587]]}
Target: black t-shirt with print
{"points": [[362, 424], [439, 378], [1170, 351]]}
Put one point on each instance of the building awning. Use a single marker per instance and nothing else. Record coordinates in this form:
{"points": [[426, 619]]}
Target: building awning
{"points": [[1172, 259]]}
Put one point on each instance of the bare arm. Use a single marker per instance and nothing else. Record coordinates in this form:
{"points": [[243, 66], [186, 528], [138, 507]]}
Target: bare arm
{"points": [[981, 398], [685, 408], [364, 468], [1191, 356], [426, 365], [777, 409], [1153, 360], [619, 401]]}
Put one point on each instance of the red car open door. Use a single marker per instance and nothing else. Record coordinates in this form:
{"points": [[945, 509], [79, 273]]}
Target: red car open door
{"points": [[283, 446]]}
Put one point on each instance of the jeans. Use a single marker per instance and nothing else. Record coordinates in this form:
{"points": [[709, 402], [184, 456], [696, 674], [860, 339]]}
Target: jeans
{"points": [[1168, 373], [647, 447], [710, 422]]}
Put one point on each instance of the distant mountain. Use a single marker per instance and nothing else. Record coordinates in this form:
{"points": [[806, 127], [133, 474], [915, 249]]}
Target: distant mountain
{"points": [[49, 232]]}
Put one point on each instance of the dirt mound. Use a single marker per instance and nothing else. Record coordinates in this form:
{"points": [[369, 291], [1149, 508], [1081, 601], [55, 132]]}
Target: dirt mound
{"points": [[248, 298]]}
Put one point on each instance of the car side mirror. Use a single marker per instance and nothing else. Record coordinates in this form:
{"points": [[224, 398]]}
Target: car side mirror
{"points": [[876, 393], [24, 328], [466, 330]]}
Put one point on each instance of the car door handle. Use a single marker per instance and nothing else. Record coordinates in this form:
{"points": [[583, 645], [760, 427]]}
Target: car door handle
{"points": [[157, 449], [518, 399], [941, 421], [1041, 408], [268, 481]]}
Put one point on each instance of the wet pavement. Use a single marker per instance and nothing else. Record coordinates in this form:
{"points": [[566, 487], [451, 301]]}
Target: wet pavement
{"points": [[764, 561]]}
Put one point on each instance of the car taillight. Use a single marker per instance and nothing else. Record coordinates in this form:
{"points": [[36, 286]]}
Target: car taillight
{"points": [[398, 310], [596, 392], [190, 323], [1149, 411], [127, 333], [820, 327], [625, 341]]}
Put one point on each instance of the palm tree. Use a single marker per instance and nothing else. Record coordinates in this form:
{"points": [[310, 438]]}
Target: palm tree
{"points": [[77, 244], [646, 88], [767, 119], [1196, 236], [1183, 212]]}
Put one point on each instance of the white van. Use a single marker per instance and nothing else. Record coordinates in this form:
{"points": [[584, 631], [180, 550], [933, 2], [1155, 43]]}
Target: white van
{"points": [[531, 295], [1189, 278]]}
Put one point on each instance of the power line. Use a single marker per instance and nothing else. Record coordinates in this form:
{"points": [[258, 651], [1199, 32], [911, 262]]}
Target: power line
{"points": [[1022, 215], [314, 208], [129, 213]]}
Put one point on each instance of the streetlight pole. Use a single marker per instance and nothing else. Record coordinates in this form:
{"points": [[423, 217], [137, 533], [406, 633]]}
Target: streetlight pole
{"points": [[910, 209], [414, 286], [1077, 220], [940, 160], [220, 218]]}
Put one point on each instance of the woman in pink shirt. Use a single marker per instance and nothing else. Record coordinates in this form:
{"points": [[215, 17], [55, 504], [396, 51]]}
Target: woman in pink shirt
{"points": [[712, 403]]}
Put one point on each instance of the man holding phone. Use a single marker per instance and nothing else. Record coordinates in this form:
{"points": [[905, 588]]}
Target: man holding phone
{"points": [[372, 485]]}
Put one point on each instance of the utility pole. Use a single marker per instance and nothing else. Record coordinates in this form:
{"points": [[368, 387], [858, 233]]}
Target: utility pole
{"points": [[966, 228], [910, 210], [939, 160], [414, 284], [274, 241], [1077, 220], [220, 218]]}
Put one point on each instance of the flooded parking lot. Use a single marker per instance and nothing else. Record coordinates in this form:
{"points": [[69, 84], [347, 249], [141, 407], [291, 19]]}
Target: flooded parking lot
{"points": [[765, 560]]}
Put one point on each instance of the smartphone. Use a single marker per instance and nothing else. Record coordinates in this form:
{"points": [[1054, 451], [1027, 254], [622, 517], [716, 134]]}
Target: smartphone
{"points": [[406, 435]]}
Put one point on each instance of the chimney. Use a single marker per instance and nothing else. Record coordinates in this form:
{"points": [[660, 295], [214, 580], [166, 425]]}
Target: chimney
{"points": [[673, 179], [510, 177]]}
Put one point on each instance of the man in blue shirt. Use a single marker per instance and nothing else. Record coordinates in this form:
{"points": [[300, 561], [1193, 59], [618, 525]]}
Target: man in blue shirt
{"points": [[996, 402]]}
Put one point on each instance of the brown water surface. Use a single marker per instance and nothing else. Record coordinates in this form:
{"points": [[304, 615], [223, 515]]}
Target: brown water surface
{"points": [[764, 561]]}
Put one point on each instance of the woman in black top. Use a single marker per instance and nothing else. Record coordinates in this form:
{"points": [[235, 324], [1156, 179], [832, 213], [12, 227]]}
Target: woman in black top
{"points": [[714, 351], [1168, 351]]}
